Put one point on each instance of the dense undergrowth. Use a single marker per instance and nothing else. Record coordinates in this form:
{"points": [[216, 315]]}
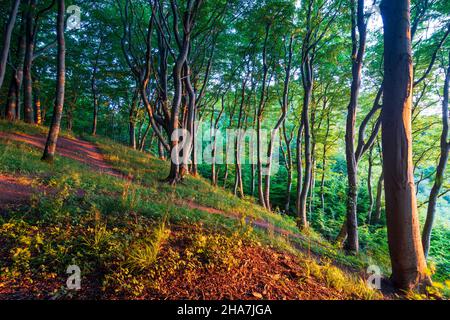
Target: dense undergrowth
{"points": [[134, 238]]}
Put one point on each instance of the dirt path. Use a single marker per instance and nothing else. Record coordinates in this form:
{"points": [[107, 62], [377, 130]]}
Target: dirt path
{"points": [[14, 190], [258, 223], [78, 150], [18, 190], [87, 153]]}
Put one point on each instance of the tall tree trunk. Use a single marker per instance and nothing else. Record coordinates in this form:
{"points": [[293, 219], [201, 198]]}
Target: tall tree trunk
{"points": [[161, 151], [215, 126], [29, 51], [288, 159], [377, 214], [259, 182], [214, 171], [260, 112], [307, 87], [324, 162], [225, 176], [94, 89], [238, 185], [443, 158], [132, 120], [369, 186], [13, 100], [284, 106], [358, 49], [299, 174], [144, 137], [50, 146], [7, 39], [192, 112], [37, 101], [409, 267]]}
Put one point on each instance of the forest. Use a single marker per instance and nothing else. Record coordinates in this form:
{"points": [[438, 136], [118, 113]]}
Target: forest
{"points": [[224, 149]]}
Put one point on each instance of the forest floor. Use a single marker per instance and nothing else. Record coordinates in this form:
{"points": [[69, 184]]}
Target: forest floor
{"points": [[103, 206]]}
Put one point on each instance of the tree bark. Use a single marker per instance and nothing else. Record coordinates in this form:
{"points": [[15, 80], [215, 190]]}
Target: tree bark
{"points": [[132, 120], [13, 101], [440, 170], [7, 39], [94, 89], [307, 80], [377, 214], [358, 49], [288, 160], [261, 105], [37, 101], [215, 126], [409, 267], [29, 51], [324, 162], [238, 185], [299, 174], [369, 187], [284, 106], [50, 146]]}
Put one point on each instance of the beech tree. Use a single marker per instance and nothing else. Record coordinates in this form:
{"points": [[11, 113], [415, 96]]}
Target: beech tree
{"points": [[55, 126], [7, 39], [409, 268], [443, 159]]}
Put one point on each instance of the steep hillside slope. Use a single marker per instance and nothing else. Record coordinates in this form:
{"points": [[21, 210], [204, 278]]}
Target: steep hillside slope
{"points": [[102, 207]]}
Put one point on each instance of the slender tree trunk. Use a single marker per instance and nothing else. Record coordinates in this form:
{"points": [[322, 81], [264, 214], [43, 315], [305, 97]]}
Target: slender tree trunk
{"points": [[288, 168], [238, 186], [95, 114], [313, 183], [94, 89], [215, 126], [37, 102], [29, 51], [161, 151], [342, 235], [440, 170], [324, 162], [284, 106], [377, 214], [213, 161], [252, 179], [144, 137], [225, 176], [313, 160], [299, 174], [132, 120], [69, 115], [7, 39], [409, 267], [259, 163], [175, 165], [260, 112], [13, 100], [191, 113], [50, 147], [369, 186], [303, 220], [358, 49]]}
